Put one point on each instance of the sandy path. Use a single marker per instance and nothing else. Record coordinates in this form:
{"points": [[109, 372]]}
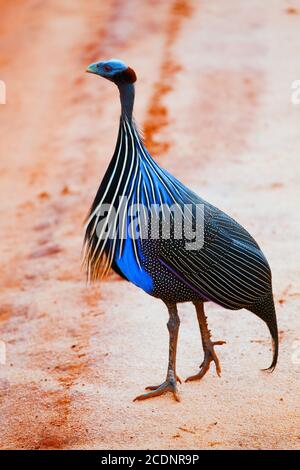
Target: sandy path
{"points": [[214, 99]]}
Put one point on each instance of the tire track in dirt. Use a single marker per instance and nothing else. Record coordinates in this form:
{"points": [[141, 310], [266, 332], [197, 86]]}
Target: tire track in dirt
{"points": [[157, 113], [222, 100]]}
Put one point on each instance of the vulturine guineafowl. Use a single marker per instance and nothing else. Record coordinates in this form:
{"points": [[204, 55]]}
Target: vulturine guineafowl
{"points": [[125, 231]]}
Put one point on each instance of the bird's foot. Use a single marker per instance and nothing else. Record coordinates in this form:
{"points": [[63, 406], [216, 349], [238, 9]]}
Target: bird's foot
{"points": [[209, 356], [168, 386]]}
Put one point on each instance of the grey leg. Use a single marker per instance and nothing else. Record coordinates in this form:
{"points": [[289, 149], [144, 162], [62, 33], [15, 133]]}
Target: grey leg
{"points": [[170, 384], [208, 345]]}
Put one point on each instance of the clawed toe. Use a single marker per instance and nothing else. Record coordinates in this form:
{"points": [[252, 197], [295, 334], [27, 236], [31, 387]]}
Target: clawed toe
{"points": [[209, 356], [155, 387], [155, 391]]}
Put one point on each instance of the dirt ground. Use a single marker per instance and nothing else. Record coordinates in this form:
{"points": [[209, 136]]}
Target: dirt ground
{"points": [[213, 96]]}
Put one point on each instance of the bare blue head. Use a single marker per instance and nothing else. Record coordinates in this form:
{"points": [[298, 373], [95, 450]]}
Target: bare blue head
{"points": [[123, 76], [114, 70]]}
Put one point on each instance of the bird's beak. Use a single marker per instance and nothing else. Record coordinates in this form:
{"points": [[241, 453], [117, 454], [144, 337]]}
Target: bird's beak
{"points": [[92, 68]]}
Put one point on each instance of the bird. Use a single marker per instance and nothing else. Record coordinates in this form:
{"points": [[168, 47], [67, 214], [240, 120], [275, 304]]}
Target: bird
{"points": [[225, 265]]}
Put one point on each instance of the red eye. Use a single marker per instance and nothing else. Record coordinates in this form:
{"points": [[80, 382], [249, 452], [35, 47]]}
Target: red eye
{"points": [[107, 68]]}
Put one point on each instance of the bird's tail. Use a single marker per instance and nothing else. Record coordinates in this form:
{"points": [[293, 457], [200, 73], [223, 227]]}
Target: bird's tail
{"points": [[265, 309]]}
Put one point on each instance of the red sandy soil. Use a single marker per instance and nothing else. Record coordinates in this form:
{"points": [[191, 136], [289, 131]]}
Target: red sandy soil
{"points": [[213, 97]]}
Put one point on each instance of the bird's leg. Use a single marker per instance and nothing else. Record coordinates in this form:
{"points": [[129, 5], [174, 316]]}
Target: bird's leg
{"points": [[170, 384], [208, 345]]}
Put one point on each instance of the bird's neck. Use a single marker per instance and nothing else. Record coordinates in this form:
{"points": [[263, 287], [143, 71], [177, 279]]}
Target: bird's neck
{"points": [[127, 99]]}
